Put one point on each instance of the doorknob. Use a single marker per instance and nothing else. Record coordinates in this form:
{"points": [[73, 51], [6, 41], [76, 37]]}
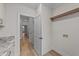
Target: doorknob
{"points": [[40, 38]]}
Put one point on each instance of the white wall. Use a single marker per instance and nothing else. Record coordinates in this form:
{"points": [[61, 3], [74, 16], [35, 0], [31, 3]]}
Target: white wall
{"points": [[13, 12], [31, 29], [65, 47], [24, 20], [2, 10], [67, 25], [64, 7], [46, 28], [3, 31]]}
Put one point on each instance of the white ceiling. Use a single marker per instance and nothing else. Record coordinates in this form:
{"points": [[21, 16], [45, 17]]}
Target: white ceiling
{"points": [[53, 5], [31, 5], [50, 5]]}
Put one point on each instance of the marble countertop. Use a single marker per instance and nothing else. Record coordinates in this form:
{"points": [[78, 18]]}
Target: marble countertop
{"points": [[5, 43]]}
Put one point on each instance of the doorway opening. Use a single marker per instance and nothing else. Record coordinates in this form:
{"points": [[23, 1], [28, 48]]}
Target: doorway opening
{"points": [[27, 36]]}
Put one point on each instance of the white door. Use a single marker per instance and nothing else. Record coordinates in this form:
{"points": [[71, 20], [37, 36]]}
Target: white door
{"points": [[38, 35]]}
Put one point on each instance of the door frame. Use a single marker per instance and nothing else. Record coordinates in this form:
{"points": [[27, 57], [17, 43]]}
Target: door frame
{"points": [[19, 21]]}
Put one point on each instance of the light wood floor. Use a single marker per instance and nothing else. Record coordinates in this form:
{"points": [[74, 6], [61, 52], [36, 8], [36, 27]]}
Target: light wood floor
{"points": [[52, 53], [26, 48]]}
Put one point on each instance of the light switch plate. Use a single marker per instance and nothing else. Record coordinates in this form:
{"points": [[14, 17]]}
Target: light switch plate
{"points": [[65, 35]]}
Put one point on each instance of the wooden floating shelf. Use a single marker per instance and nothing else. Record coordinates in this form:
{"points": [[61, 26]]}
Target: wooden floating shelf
{"points": [[65, 14]]}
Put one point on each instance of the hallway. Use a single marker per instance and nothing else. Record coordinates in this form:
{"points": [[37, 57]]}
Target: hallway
{"points": [[26, 47]]}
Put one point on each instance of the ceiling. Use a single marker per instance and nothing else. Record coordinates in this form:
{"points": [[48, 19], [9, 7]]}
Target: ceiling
{"points": [[50, 5], [24, 18], [31, 5], [53, 5]]}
